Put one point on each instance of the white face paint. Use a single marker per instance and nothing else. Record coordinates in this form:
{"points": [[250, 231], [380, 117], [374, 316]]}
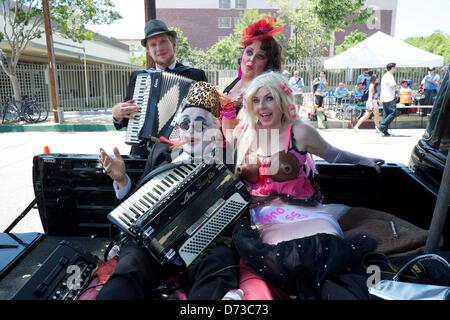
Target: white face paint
{"points": [[198, 129]]}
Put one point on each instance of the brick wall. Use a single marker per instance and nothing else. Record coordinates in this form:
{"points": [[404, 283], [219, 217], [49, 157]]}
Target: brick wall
{"points": [[201, 26]]}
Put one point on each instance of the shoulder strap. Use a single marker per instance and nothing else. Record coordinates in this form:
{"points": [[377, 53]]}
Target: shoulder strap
{"points": [[288, 136]]}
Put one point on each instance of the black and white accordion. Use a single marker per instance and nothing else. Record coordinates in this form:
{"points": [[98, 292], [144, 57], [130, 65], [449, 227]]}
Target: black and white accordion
{"points": [[158, 94], [182, 209]]}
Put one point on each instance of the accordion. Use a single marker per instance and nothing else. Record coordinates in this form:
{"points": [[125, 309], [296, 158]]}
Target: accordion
{"points": [[158, 94], [182, 209]]}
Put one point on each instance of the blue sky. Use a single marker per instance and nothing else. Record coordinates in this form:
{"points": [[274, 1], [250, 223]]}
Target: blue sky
{"points": [[414, 18], [422, 17]]}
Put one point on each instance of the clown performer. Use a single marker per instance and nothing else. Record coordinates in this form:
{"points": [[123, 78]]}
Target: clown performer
{"points": [[137, 274]]}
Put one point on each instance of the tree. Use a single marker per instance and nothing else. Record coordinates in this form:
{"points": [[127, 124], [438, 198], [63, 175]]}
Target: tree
{"points": [[183, 47], [437, 43], [350, 40], [23, 22], [315, 22]]}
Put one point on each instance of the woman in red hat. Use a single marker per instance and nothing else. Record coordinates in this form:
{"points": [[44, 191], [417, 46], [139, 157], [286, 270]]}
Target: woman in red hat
{"points": [[261, 52]]}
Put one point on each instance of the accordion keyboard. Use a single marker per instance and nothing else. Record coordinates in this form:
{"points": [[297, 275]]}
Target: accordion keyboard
{"points": [[146, 197], [141, 95], [159, 95]]}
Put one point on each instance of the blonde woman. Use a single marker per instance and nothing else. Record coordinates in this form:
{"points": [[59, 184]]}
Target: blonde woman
{"points": [[371, 104], [289, 231]]}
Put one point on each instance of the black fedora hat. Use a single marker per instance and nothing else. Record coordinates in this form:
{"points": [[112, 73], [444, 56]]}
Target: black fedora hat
{"points": [[154, 27]]}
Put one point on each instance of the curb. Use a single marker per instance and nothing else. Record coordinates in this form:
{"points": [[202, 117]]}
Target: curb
{"points": [[58, 128]]}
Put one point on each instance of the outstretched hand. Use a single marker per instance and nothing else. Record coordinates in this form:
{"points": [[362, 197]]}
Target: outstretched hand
{"points": [[114, 167]]}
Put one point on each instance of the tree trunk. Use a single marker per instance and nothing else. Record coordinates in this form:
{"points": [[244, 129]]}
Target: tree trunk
{"points": [[16, 87], [311, 79], [10, 69]]}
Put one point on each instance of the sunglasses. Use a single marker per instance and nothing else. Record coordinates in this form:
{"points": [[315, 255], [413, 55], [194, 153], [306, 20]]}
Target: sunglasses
{"points": [[199, 124]]}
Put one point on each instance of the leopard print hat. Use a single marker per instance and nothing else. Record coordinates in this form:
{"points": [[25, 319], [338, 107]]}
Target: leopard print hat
{"points": [[203, 95]]}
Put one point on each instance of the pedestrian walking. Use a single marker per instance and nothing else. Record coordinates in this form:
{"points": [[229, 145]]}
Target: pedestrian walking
{"points": [[387, 97]]}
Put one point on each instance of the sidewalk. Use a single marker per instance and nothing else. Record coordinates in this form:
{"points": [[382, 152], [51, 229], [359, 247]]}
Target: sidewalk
{"points": [[85, 121], [75, 121]]}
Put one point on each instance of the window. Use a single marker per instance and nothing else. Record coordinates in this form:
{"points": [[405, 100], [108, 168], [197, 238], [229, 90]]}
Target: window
{"points": [[236, 20], [224, 4], [241, 4], [224, 22]]}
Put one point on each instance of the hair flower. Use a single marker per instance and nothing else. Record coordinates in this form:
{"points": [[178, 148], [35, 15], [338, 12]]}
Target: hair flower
{"points": [[286, 88], [260, 30]]}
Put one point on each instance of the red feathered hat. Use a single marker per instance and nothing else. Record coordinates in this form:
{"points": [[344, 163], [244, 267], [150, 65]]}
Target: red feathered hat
{"points": [[259, 30]]}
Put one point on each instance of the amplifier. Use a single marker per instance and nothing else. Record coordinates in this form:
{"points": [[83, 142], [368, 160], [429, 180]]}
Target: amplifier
{"points": [[76, 195], [62, 276]]}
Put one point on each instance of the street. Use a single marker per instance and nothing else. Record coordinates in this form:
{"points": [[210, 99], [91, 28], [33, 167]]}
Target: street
{"points": [[18, 150]]}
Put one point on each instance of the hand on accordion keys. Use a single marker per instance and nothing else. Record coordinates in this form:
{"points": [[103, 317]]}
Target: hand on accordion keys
{"points": [[114, 167], [124, 110]]}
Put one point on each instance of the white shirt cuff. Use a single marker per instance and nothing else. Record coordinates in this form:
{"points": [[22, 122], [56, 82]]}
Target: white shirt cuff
{"points": [[121, 193]]}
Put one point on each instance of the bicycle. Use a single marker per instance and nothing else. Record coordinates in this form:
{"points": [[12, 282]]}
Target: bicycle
{"points": [[29, 111], [32, 103]]}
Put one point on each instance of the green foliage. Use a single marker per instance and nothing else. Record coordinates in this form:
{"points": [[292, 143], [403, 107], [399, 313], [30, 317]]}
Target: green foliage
{"points": [[353, 38], [73, 15], [69, 16], [183, 47], [225, 52], [198, 58], [337, 14], [437, 43], [315, 22], [140, 60]]}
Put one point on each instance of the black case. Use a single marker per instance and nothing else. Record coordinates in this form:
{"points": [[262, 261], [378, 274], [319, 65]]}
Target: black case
{"points": [[76, 194]]}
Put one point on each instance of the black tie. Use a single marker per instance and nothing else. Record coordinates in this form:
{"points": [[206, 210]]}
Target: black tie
{"points": [[167, 69]]}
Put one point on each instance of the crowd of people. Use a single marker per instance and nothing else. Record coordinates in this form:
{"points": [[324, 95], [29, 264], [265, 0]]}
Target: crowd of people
{"points": [[257, 115]]}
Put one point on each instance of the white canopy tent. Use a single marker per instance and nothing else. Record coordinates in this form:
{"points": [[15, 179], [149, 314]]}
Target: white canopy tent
{"points": [[378, 50]]}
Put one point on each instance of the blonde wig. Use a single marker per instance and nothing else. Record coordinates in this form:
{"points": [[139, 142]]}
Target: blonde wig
{"points": [[245, 132]]}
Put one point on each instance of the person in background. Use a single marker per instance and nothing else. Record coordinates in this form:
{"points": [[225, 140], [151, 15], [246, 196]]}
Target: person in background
{"points": [[364, 77], [387, 97], [371, 103], [430, 88], [286, 74], [405, 93], [297, 89], [319, 94], [341, 92], [358, 93], [161, 45]]}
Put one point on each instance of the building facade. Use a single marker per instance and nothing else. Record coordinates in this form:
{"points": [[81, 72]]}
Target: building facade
{"points": [[92, 74], [204, 22]]}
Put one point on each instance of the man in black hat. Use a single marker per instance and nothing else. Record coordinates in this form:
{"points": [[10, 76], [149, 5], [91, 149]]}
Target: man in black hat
{"points": [[161, 44]]}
